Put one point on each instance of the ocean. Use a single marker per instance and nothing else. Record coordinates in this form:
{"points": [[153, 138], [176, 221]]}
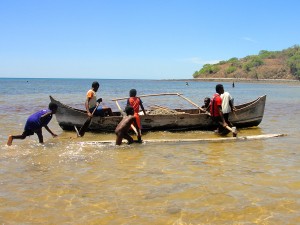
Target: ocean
{"points": [[72, 180]]}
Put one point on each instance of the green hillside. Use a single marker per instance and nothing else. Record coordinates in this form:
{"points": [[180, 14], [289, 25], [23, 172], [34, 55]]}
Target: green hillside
{"points": [[283, 64]]}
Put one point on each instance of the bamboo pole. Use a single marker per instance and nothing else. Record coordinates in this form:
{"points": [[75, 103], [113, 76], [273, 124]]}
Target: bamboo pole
{"points": [[234, 113], [162, 94], [162, 107], [224, 139], [194, 104], [119, 107], [234, 133], [200, 140], [142, 96]]}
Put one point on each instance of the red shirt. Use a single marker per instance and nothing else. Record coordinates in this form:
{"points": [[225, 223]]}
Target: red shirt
{"points": [[215, 104], [135, 103]]}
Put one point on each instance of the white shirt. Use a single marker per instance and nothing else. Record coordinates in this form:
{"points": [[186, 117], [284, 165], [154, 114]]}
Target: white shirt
{"points": [[93, 98], [226, 97]]}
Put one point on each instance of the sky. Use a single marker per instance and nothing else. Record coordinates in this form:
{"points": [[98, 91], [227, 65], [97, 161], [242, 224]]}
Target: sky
{"points": [[138, 39]]}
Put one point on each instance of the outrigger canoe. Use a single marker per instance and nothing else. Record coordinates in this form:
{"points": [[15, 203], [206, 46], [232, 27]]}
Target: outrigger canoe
{"points": [[247, 115]]}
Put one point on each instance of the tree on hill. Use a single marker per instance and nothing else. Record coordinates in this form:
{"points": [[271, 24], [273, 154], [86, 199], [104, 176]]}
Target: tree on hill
{"points": [[293, 61], [283, 64]]}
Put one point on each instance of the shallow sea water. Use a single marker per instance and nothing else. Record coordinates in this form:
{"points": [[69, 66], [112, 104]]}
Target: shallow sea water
{"points": [[79, 181]]}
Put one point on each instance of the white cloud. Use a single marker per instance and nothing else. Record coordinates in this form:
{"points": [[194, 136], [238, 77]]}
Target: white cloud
{"points": [[249, 39]]}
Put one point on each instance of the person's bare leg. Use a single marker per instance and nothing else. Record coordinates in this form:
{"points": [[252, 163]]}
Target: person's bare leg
{"points": [[40, 135], [119, 139], [10, 139], [128, 138]]}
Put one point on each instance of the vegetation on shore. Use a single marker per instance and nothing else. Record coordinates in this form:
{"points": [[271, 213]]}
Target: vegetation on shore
{"points": [[283, 64]]}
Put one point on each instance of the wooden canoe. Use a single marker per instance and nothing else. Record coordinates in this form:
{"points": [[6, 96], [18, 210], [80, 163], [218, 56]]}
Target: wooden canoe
{"points": [[247, 115]]}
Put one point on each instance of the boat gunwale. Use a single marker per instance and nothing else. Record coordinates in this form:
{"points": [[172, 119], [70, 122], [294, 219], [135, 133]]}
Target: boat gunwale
{"points": [[246, 105], [240, 107]]}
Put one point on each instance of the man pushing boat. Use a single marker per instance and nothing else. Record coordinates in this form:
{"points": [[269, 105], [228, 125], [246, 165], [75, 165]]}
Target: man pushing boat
{"points": [[35, 123], [217, 114], [123, 127]]}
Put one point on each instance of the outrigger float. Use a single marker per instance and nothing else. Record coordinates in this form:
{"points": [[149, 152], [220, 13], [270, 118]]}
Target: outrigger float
{"points": [[193, 140]]}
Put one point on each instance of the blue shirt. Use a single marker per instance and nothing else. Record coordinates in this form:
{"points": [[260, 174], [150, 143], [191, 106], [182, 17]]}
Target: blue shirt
{"points": [[34, 121]]}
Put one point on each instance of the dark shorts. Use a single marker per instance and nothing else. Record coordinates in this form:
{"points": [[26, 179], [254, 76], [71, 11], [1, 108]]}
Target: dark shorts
{"points": [[98, 112], [28, 133], [221, 130]]}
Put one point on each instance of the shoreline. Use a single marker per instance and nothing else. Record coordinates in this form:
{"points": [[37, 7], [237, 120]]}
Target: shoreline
{"points": [[238, 80], [241, 80]]}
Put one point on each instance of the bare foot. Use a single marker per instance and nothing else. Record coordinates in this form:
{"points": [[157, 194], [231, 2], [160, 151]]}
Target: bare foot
{"points": [[9, 141], [234, 131]]}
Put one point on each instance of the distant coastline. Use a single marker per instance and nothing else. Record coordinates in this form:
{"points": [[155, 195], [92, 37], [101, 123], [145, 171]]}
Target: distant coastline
{"points": [[212, 79], [241, 80]]}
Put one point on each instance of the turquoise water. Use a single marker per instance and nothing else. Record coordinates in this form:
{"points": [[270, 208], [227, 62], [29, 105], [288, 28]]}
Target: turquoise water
{"points": [[74, 181]]}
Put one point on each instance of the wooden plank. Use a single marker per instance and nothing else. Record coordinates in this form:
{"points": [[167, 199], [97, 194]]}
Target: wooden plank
{"points": [[200, 140]]}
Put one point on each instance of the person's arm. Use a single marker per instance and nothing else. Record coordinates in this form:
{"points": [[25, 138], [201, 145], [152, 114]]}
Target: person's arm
{"points": [[87, 107], [232, 106], [206, 108], [40, 135], [222, 117], [44, 117], [50, 131], [141, 104], [128, 103]]}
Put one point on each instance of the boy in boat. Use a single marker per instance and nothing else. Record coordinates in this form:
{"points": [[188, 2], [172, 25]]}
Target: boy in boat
{"points": [[216, 110], [206, 104], [34, 124], [124, 126], [135, 103], [91, 102]]}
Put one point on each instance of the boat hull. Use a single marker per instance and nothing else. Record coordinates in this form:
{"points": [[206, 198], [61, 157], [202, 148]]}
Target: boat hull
{"points": [[247, 115]]}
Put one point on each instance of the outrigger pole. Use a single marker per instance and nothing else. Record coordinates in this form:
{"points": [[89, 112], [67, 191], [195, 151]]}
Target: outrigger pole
{"points": [[162, 94], [150, 95]]}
